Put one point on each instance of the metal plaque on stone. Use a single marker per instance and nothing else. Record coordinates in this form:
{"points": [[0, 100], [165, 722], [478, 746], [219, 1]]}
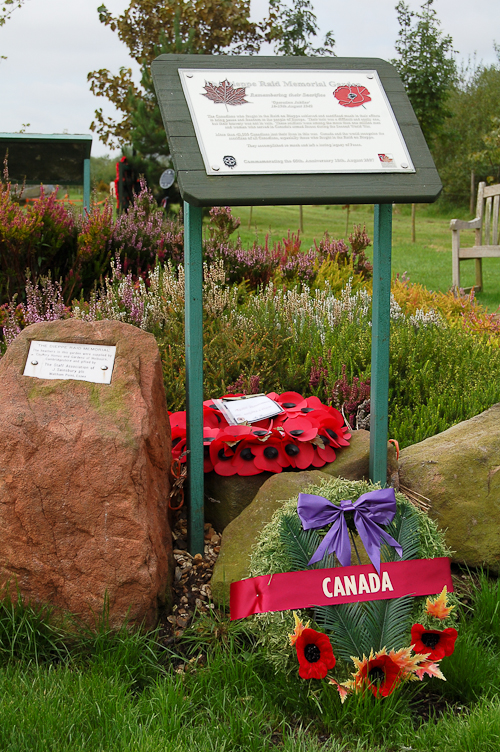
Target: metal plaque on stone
{"points": [[68, 360]]}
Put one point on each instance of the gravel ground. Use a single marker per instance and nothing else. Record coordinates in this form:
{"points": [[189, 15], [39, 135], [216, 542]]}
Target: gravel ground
{"points": [[191, 586]]}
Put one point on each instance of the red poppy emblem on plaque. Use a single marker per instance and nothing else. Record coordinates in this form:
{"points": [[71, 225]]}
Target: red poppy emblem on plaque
{"points": [[352, 96]]}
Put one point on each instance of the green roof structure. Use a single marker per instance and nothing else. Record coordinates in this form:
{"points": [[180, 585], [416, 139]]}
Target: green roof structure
{"points": [[60, 158]]}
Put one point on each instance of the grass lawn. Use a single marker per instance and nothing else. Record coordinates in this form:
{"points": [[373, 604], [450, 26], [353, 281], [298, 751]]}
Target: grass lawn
{"points": [[216, 691], [426, 262]]}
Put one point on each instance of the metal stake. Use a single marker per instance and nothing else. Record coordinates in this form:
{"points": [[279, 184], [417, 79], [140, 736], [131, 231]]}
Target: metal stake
{"points": [[193, 267], [381, 318]]}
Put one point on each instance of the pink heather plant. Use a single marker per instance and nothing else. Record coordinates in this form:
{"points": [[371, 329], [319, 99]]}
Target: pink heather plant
{"points": [[140, 235]]}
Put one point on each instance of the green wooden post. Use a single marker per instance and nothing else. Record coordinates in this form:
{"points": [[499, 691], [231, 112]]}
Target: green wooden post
{"points": [[194, 373], [86, 184], [381, 319]]}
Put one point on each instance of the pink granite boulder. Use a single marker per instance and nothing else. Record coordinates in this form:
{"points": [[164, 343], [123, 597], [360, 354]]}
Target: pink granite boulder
{"points": [[84, 478]]}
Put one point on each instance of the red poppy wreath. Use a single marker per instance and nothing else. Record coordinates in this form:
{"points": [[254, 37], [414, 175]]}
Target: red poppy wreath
{"points": [[305, 434]]}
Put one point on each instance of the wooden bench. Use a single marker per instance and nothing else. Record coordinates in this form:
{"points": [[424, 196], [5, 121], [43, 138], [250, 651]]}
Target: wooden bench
{"points": [[486, 243]]}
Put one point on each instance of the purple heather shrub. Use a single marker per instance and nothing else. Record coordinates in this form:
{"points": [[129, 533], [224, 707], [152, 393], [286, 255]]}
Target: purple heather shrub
{"points": [[257, 265], [245, 385], [222, 224], [44, 302], [345, 396], [348, 397], [138, 235], [338, 251], [10, 322], [40, 238]]}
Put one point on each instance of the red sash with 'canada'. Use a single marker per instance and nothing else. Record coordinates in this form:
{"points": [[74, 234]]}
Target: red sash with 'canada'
{"points": [[331, 587]]}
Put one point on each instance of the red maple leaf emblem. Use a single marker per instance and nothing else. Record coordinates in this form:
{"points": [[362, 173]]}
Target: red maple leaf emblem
{"points": [[225, 93]]}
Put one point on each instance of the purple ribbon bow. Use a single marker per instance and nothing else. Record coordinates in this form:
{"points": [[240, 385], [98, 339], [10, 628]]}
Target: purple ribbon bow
{"points": [[370, 511]]}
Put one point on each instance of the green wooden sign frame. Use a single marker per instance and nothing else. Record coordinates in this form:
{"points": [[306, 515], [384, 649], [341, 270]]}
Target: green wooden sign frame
{"points": [[199, 189], [60, 158]]}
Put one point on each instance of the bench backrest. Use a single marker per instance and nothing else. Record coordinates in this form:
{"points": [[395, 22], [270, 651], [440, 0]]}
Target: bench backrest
{"points": [[488, 204]]}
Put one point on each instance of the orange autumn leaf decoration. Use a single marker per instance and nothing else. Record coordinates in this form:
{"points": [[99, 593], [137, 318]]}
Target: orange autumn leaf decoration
{"points": [[438, 607], [299, 628]]}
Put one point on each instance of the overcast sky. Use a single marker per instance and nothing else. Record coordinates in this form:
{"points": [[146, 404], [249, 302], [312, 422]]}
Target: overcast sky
{"points": [[51, 45]]}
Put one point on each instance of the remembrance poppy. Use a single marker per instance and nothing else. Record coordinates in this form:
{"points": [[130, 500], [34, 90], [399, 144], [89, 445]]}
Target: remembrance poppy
{"points": [[300, 455], [270, 455], [434, 643], [315, 654], [222, 448], [380, 673], [300, 429], [292, 402]]}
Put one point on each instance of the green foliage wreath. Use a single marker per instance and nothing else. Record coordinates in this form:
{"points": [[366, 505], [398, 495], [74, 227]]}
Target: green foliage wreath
{"points": [[355, 628]]}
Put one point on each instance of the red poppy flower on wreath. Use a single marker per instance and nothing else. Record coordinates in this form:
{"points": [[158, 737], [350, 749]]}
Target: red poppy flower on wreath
{"points": [[292, 402], [434, 643], [301, 454], [212, 416], [300, 429], [209, 435], [315, 654], [270, 455], [244, 456], [223, 446], [380, 673], [352, 96], [324, 451], [178, 442], [178, 419]]}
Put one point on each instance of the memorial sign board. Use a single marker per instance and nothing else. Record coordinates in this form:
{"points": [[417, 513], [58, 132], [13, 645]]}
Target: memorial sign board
{"points": [[253, 122], [296, 118], [68, 360]]}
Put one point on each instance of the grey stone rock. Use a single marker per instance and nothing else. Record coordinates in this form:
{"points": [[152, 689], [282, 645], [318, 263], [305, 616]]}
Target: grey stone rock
{"points": [[353, 462], [226, 497], [458, 470], [241, 534]]}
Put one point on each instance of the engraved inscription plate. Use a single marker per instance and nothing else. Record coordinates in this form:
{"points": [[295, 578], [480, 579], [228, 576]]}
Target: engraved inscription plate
{"points": [[65, 360], [293, 121]]}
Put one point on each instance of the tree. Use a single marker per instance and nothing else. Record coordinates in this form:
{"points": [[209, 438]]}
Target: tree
{"points": [[468, 141], [152, 27], [426, 65], [8, 8], [293, 27]]}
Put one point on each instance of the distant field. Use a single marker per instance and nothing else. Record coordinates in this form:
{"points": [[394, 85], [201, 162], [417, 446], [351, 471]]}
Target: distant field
{"points": [[427, 261]]}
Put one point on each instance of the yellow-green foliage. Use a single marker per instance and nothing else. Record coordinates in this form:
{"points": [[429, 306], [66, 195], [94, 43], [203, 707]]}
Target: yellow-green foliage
{"points": [[458, 310], [336, 277]]}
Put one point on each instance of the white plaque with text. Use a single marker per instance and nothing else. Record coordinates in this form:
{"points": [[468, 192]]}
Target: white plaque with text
{"points": [[255, 122], [65, 360]]}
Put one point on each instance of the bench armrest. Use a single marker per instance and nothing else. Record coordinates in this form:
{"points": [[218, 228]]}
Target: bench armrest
{"points": [[461, 224]]}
